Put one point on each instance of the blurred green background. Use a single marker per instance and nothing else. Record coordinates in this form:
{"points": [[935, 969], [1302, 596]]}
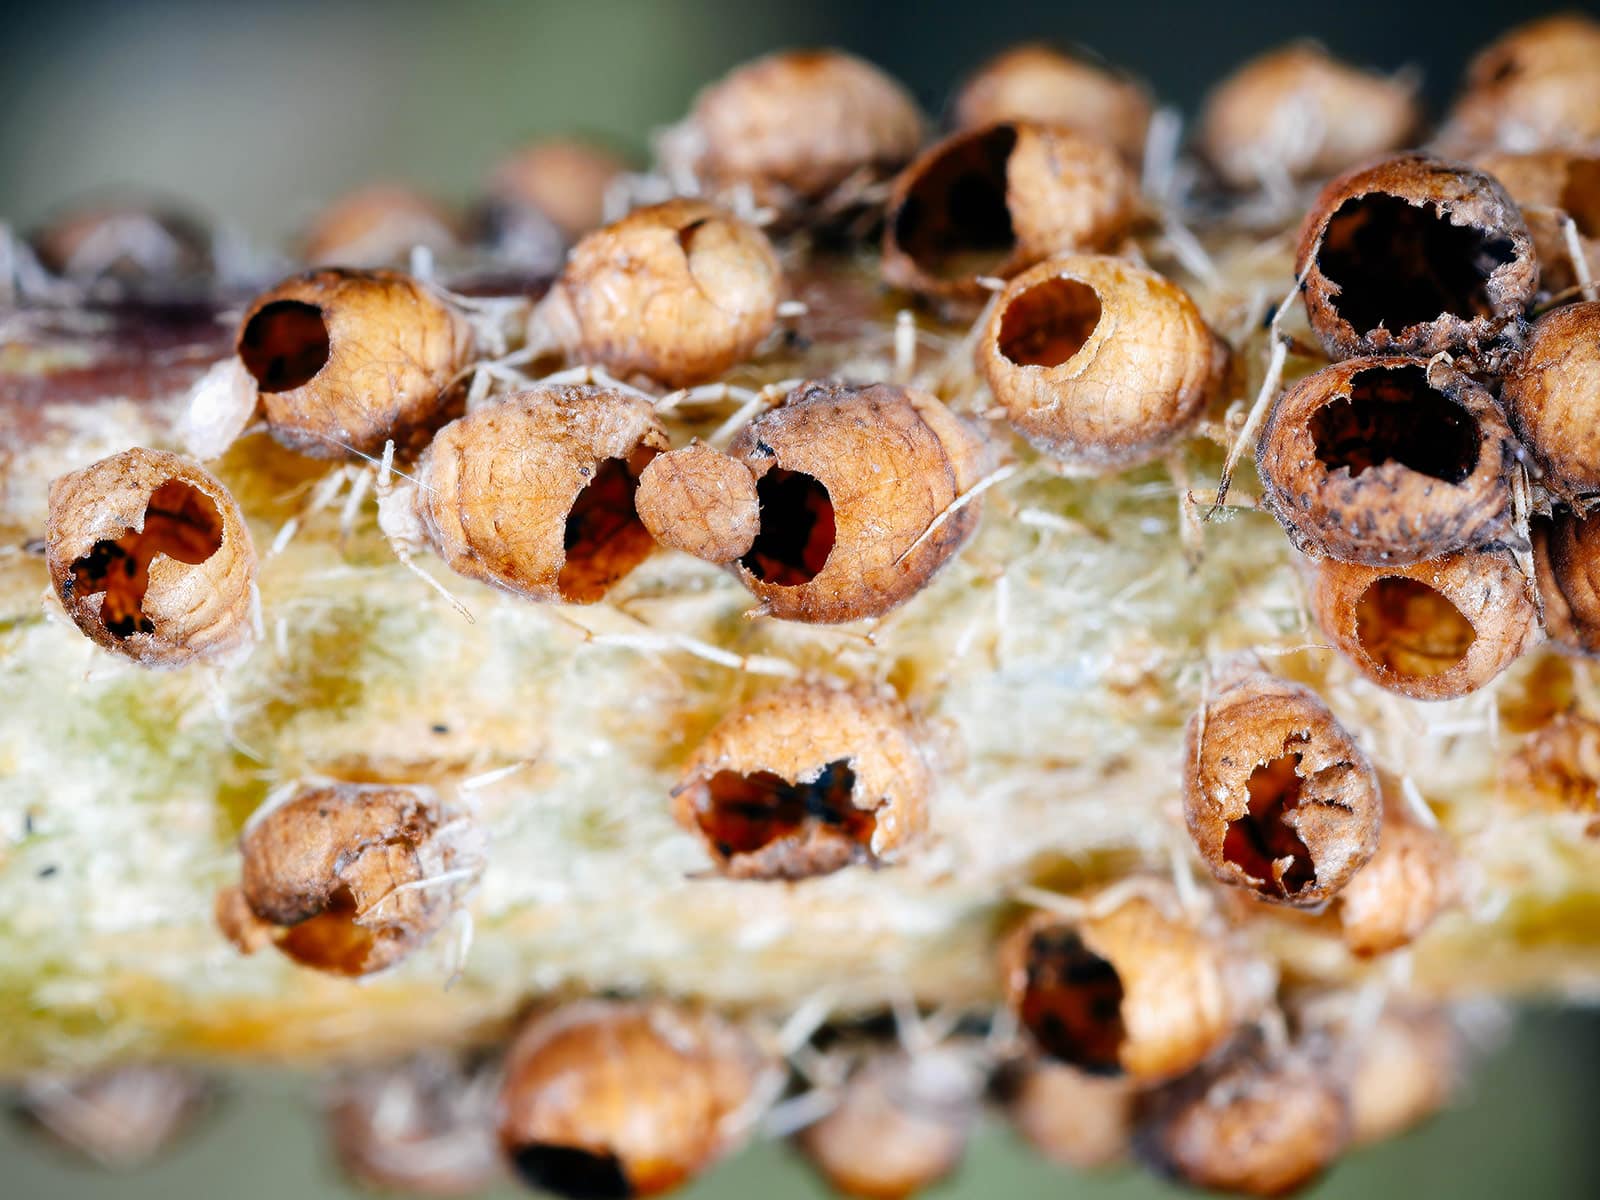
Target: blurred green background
{"points": [[259, 114]]}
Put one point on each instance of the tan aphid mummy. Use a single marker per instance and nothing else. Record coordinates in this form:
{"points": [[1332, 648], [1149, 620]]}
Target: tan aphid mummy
{"points": [[1405, 886], [561, 179], [120, 1119], [700, 501], [1566, 560], [804, 781], [862, 494], [1278, 797], [1552, 395], [793, 128], [152, 559], [534, 493], [378, 226], [346, 360], [1138, 990], [1401, 1070], [1260, 1123], [1551, 187], [1557, 770], [1037, 82], [678, 292], [622, 1099], [991, 202], [1299, 113], [1099, 363], [424, 1126], [1534, 88], [1416, 255], [1434, 630], [1387, 460], [354, 877], [1069, 1116], [900, 1124], [133, 246]]}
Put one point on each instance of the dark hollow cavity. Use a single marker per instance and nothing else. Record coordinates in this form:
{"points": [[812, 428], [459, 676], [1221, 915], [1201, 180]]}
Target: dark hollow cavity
{"points": [[749, 812], [604, 538], [1398, 265], [180, 521], [285, 345], [1263, 836], [954, 221], [1049, 323], [1392, 415], [1073, 1003], [570, 1172], [797, 529]]}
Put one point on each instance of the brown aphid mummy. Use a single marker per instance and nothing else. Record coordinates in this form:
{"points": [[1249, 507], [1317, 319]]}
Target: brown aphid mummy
{"points": [[677, 291], [1069, 1116], [562, 180], [1400, 1071], [152, 559], [1387, 460], [991, 202], [1038, 82], [804, 781], [1557, 769], [1399, 893], [1137, 990], [796, 129], [616, 1099], [700, 501], [131, 246], [119, 1119], [355, 877], [424, 1127], [858, 490], [1099, 363], [1299, 113], [1278, 797], [1415, 255], [1552, 395], [900, 1123], [1257, 1124], [346, 360], [378, 226], [534, 493], [1551, 186], [1534, 88], [1434, 630]]}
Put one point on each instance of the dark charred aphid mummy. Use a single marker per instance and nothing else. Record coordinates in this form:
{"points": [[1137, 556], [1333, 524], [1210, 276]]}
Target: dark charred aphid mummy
{"points": [[678, 292], [347, 360], [994, 201], [1278, 797], [119, 1119], [900, 1124], [352, 878], [1037, 82], [1552, 394], [378, 226], [152, 559], [1099, 363], [1434, 630], [424, 1127], [796, 129], [1261, 1123], [607, 1100], [804, 781], [1299, 113], [1415, 255], [1136, 989], [1386, 460], [1069, 1116], [858, 490], [534, 493]]}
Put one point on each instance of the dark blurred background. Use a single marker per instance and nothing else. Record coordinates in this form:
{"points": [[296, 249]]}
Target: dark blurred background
{"points": [[258, 114]]}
